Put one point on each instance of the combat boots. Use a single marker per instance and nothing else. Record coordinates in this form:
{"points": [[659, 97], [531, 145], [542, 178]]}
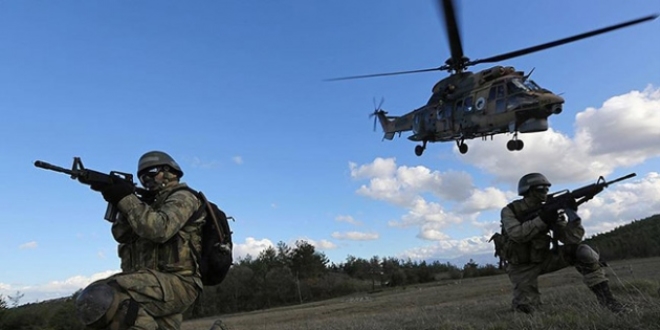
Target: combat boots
{"points": [[218, 325], [524, 308], [605, 297]]}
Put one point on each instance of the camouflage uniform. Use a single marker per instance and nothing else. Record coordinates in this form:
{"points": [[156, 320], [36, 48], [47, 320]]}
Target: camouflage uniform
{"points": [[157, 249], [528, 253]]}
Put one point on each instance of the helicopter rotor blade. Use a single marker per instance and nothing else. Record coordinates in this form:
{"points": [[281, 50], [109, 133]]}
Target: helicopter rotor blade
{"points": [[444, 67], [457, 59], [453, 34], [377, 109], [373, 114], [559, 42]]}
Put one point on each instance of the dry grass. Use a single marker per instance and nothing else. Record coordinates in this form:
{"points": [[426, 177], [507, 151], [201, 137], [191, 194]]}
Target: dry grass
{"points": [[478, 303]]}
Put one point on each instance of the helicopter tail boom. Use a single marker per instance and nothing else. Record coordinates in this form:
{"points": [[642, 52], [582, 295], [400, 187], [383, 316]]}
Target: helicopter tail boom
{"points": [[387, 123]]}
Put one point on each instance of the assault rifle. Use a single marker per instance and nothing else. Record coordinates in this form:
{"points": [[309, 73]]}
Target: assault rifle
{"points": [[569, 201], [91, 177]]}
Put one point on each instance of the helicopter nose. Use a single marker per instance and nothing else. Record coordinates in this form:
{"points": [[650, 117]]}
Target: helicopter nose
{"points": [[552, 103]]}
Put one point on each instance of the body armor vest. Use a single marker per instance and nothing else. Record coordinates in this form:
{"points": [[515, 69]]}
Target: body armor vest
{"points": [[176, 255], [534, 251]]}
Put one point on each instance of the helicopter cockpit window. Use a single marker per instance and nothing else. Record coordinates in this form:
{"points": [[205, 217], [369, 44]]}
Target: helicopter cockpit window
{"points": [[500, 91], [496, 92], [459, 105], [467, 105], [531, 85], [515, 86]]}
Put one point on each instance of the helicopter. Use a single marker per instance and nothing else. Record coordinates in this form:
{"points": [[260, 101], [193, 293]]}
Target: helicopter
{"points": [[467, 105]]}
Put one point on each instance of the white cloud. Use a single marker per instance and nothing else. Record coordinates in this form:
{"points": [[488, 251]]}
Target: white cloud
{"points": [[421, 212], [447, 248], [487, 199], [625, 126], [347, 219], [323, 244], [252, 247], [379, 168], [355, 236], [28, 245], [197, 162], [53, 289], [237, 159], [406, 186], [402, 185], [431, 232], [620, 203]]}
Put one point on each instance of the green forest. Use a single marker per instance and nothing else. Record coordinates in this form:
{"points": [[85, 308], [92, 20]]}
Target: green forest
{"points": [[287, 275]]}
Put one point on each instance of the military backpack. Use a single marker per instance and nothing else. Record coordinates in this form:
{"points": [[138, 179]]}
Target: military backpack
{"points": [[215, 257]]}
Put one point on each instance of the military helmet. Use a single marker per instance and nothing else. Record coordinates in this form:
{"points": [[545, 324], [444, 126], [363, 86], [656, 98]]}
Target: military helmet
{"points": [[530, 180], [152, 159]]}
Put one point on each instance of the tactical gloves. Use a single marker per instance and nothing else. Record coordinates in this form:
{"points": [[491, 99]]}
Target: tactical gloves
{"points": [[572, 204], [549, 217], [113, 193]]}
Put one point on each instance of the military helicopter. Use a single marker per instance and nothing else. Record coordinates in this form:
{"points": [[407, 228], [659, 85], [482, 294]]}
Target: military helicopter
{"points": [[467, 105]]}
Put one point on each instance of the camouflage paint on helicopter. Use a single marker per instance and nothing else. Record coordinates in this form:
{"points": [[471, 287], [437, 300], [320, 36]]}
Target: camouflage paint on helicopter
{"points": [[468, 105]]}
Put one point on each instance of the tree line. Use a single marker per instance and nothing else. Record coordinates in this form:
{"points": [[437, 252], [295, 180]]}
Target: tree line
{"points": [[287, 275], [638, 239]]}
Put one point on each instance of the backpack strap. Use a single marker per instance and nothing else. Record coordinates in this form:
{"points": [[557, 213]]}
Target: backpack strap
{"points": [[200, 210], [206, 205], [209, 208]]}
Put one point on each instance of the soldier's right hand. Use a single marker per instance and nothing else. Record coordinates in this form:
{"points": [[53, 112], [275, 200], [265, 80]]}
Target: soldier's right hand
{"points": [[98, 186], [548, 216]]}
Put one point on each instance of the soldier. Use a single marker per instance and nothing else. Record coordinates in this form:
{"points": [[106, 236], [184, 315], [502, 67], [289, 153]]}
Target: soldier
{"points": [[158, 244], [528, 248]]}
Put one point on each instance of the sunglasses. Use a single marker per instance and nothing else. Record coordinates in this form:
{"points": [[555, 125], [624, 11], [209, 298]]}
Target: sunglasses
{"points": [[150, 173], [541, 188]]}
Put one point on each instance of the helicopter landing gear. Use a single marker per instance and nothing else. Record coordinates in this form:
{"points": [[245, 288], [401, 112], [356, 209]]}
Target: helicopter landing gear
{"points": [[462, 147], [515, 144], [419, 150]]}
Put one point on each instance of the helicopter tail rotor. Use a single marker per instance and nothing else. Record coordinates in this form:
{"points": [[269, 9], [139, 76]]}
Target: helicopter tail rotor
{"points": [[377, 110]]}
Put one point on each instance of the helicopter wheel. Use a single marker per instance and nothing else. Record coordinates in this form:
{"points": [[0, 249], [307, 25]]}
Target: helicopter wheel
{"points": [[463, 148], [515, 145], [419, 150], [511, 145]]}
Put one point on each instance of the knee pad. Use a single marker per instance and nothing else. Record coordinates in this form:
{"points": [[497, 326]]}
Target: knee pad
{"points": [[96, 305], [585, 254], [101, 306]]}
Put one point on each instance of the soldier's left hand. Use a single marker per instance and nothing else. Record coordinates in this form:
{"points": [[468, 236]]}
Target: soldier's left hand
{"points": [[115, 192], [548, 216]]}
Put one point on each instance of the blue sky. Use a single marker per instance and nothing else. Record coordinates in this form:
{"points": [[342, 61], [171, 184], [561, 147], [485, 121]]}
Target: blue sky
{"points": [[235, 92]]}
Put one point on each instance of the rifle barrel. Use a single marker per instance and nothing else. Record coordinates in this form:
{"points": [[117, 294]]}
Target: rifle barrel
{"points": [[52, 167], [622, 178]]}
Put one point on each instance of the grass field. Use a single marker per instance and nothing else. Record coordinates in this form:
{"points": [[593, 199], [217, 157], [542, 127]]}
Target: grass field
{"points": [[476, 303]]}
